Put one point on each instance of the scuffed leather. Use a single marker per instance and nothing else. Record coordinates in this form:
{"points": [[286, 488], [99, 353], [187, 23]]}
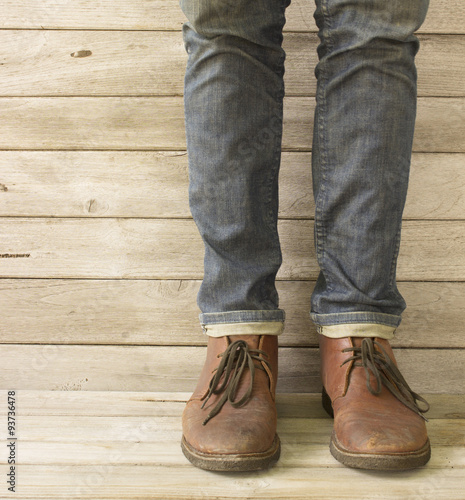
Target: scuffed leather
{"points": [[248, 429], [363, 422]]}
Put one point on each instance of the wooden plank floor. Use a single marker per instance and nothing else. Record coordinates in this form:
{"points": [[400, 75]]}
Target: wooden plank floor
{"points": [[125, 445], [100, 261], [99, 255]]}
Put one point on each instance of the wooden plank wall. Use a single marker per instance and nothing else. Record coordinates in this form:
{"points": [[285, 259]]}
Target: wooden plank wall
{"points": [[100, 261]]}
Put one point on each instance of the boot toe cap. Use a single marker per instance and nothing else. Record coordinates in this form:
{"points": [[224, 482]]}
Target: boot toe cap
{"points": [[229, 432], [363, 432]]}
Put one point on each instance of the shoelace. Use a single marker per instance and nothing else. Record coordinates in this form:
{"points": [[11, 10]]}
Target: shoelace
{"points": [[381, 367], [236, 358]]}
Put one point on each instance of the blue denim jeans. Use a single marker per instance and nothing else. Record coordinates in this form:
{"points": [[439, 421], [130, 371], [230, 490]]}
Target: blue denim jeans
{"points": [[362, 144]]}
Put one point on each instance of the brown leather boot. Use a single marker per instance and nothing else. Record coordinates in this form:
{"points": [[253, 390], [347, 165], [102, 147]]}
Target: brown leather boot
{"points": [[377, 421], [229, 423]]}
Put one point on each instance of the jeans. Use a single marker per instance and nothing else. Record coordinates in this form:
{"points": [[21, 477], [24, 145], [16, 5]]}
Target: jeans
{"points": [[362, 144]]}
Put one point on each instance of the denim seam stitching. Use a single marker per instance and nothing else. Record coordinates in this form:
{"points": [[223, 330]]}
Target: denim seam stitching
{"points": [[322, 126], [272, 178]]}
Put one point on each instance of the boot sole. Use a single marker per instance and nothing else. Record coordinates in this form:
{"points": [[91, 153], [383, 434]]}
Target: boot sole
{"points": [[398, 461], [231, 462], [401, 461]]}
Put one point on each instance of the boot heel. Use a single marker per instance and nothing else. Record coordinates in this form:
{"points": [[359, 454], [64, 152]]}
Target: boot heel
{"points": [[326, 402]]}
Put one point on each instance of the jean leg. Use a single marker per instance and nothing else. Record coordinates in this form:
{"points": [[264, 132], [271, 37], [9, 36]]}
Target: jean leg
{"points": [[233, 110], [362, 144]]}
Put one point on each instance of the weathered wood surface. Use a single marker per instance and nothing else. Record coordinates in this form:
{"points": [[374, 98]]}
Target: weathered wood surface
{"points": [[172, 369], [126, 445], [444, 16], [146, 312], [155, 184], [85, 440], [172, 249], [46, 63], [101, 139], [171, 404], [117, 481], [157, 123]]}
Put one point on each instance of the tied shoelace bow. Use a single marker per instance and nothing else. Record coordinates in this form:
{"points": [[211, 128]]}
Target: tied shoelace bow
{"points": [[379, 365], [235, 359]]}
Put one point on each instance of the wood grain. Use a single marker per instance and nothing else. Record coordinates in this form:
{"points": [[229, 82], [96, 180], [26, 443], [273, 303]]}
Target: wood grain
{"points": [[166, 15], [154, 440], [93, 186], [120, 481], [155, 184], [146, 312], [172, 249], [171, 404], [122, 63], [157, 123], [165, 368], [126, 445]]}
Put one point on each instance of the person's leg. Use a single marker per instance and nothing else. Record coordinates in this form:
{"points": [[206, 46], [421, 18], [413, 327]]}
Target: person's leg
{"points": [[364, 124], [233, 108], [362, 144]]}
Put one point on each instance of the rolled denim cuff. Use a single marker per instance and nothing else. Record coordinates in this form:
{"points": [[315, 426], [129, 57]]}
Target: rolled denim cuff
{"points": [[356, 324], [357, 330], [243, 323]]}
